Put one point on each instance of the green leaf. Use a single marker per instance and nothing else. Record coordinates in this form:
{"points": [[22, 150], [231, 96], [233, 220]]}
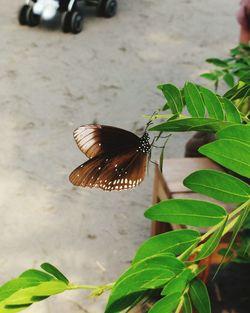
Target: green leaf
{"points": [[176, 242], [247, 222], [31, 286], [232, 114], [233, 154], [243, 249], [211, 244], [209, 76], [165, 107], [36, 276], [125, 302], [38, 298], [13, 286], [194, 102], [188, 212], [27, 279], [223, 252], [229, 79], [15, 308], [240, 66], [237, 132], [54, 271], [192, 124], [175, 285], [217, 62], [245, 77], [166, 304], [235, 51], [240, 222], [187, 306], [162, 260], [212, 103], [241, 74], [178, 283], [218, 185], [50, 288], [147, 278], [188, 252], [24, 296], [173, 96], [199, 296], [239, 91]]}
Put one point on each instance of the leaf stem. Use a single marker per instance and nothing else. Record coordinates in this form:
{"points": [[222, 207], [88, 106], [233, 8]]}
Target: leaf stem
{"points": [[103, 287], [228, 227], [179, 307], [237, 210], [165, 116], [230, 216]]}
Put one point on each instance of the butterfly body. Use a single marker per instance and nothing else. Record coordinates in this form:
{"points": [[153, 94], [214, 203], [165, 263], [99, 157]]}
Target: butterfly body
{"points": [[117, 158]]}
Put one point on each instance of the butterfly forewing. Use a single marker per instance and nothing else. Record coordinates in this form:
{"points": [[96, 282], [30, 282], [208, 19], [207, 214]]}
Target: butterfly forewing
{"points": [[94, 140]]}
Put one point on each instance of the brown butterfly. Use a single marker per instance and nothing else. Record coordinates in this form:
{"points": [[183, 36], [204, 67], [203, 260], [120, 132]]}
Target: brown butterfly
{"points": [[117, 158]]}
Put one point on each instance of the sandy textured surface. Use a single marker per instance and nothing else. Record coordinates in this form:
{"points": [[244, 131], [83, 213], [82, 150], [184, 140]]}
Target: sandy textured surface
{"points": [[50, 83]]}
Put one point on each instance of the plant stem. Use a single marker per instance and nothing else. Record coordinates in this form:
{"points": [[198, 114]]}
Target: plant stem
{"points": [[230, 216], [228, 227], [237, 210], [233, 222], [178, 310], [104, 287], [165, 116]]}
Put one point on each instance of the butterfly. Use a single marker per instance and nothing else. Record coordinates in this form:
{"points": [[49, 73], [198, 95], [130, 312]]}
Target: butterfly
{"points": [[117, 157]]}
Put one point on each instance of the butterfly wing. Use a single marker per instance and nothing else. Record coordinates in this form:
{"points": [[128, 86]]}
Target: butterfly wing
{"points": [[116, 172], [95, 140]]}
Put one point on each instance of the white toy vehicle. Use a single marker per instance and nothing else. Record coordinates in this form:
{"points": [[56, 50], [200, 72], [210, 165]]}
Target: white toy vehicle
{"points": [[72, 15]]}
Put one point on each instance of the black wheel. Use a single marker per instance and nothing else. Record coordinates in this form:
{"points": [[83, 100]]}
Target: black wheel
{"points": [[76, 22], [22, 15], [66, 19], [72, 22], [107, 8], [32, 19]]}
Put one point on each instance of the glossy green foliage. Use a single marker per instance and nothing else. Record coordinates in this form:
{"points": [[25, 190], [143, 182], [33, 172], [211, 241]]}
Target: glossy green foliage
{"points": [[191, 124], [187, 212], [31, 286], [167, 304], [208, 111], [239, 133], [218, 185], [175, 242], [173, 97], [236, 67], [230, 153], [199, 296], [194, 101], [212, 243]]}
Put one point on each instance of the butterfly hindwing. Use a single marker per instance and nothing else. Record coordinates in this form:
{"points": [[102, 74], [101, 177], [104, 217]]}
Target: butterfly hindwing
{"points": [[97, 139], [116, 172]]}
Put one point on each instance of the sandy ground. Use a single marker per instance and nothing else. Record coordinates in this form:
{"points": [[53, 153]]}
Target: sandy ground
{"points": [[50, 83]]}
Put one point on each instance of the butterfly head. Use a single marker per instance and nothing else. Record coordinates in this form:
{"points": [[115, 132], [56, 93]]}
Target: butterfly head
{"points": [[145, 145]]}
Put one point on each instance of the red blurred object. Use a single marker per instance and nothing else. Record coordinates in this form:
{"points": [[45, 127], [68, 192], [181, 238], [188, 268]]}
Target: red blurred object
{"points": [[243, 18]]}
